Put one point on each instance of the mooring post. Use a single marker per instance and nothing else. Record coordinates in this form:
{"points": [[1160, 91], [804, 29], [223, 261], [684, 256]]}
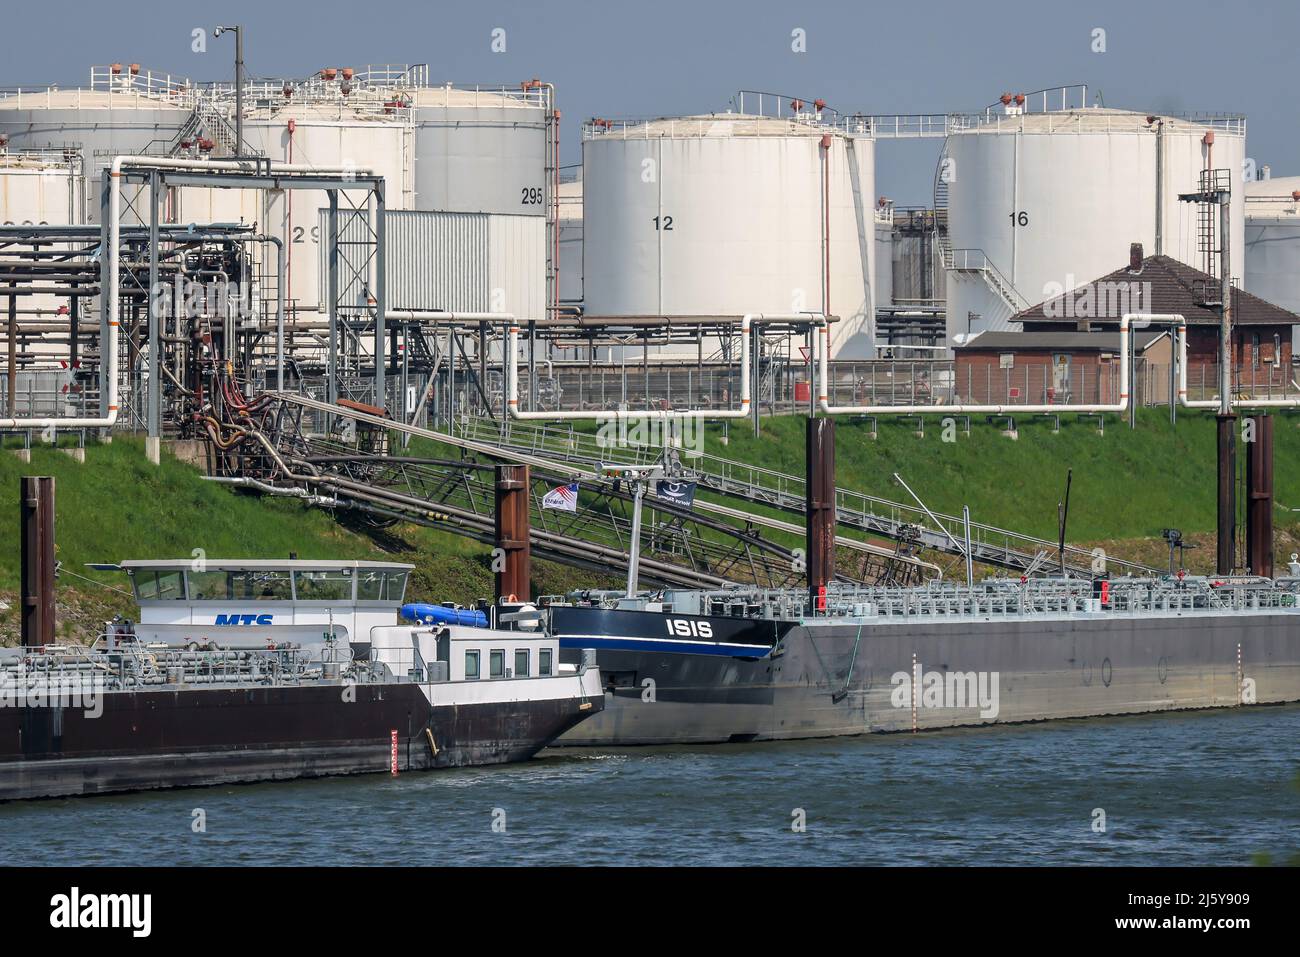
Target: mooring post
{"points": [[37, 532], [1227, 516], [819, 491], [1259, 498], [514, 560]]}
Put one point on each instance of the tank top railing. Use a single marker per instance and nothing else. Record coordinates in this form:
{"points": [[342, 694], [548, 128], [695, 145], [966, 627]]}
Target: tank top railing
{"points": [[163, 86]]}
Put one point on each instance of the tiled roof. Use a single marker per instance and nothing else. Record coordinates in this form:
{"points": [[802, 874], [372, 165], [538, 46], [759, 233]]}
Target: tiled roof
{"points": [[1175, 288]]}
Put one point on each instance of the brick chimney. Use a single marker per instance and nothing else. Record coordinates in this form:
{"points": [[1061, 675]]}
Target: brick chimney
{"points": [[1135, 257]]}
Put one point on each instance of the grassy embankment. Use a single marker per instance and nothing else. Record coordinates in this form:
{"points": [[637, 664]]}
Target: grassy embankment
{"points": [[116, 505], [1128, 485]]}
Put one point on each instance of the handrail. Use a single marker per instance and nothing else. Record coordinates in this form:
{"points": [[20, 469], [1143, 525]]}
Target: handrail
{"points": [[760, 484], [653, 415], [1066, 102], [1004, 286], [823, 399]]}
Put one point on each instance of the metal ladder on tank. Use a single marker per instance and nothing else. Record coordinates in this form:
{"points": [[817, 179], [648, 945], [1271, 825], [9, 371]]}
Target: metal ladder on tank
{"points": [[978, 261]]}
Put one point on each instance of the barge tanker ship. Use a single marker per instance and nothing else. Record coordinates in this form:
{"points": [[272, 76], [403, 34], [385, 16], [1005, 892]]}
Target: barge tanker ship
{"points": [[744, 664], [245, 671]]}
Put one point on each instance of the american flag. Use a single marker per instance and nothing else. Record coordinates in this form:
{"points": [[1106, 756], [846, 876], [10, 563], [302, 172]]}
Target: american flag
{"points": [[564, 497]]}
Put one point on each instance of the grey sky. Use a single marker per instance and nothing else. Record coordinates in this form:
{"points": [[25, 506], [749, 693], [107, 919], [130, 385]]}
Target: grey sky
{"points": [[670, 57]]}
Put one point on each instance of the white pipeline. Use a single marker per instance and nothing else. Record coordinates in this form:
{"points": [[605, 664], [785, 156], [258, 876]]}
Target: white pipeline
{"points": [[437, 317], [654, 415]]}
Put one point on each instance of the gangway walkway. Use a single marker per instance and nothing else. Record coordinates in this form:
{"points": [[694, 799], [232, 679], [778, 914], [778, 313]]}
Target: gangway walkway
{"points": [[684, 547], [896, 521]]}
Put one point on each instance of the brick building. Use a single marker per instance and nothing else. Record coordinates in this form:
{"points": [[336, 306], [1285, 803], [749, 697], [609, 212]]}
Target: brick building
{"points": [[1261, 331], [1027, 368]]}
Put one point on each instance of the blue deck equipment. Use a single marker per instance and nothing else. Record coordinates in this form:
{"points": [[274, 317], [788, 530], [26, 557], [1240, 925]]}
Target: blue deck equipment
{"points": [[442, 615]]}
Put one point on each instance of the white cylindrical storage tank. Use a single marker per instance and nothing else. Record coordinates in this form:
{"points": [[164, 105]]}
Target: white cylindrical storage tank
{"points": [[480, 150], [325, 134], [1273, 241], [570, 226], [40, 187], [722, 215], [1039, 203], [119, 113], [883, 264]]}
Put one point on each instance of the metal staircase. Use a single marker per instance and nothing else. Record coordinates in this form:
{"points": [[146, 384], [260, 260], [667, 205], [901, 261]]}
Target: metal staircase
{"points": [[976, 261], [942, 239], [971, 261], [205, 118]]}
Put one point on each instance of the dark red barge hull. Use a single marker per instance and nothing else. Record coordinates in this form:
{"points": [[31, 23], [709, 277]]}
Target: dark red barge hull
{"points": [[205, 736]]}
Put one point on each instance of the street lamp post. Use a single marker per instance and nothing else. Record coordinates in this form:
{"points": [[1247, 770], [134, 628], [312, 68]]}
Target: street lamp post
{"points": [[239, 85]]}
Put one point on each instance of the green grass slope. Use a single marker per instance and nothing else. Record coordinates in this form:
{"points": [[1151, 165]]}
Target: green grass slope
{"points": [[1127, 484], [116, 505]]}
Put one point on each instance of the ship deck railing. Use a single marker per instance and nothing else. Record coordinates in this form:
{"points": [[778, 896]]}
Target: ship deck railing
{"points": [[1004, 598], [135, 666]]}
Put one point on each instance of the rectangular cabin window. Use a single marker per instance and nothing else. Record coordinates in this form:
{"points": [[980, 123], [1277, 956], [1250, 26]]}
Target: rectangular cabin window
{"points": [[268, 584], [521, 662], [497, 663], [380, 584], [544, 663], [240, 584], [394, 585], [209, 586], [151, 585], [471, 665], [370, 584], [333, 585]]}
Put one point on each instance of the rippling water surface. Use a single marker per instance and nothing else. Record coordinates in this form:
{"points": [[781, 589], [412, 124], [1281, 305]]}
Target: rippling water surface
{"points": [[1192, 788]]}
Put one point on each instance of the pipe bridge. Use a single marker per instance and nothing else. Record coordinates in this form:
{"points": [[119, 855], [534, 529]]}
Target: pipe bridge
{"points": [[340, 457]]}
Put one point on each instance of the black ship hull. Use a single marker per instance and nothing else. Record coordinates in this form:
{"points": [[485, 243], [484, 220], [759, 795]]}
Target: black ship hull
{"points": [[204, 736]]}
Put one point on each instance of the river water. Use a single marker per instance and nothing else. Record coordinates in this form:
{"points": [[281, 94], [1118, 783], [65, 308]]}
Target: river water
{"points": [[1212, 787]]}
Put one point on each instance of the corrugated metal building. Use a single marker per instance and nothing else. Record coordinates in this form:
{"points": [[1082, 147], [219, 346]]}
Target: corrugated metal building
{"points": [[452, 262]]}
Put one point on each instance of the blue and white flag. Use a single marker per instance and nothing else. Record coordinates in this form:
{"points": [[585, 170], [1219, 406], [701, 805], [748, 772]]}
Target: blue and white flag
{"points": [[680, 493], [565, 498]]}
